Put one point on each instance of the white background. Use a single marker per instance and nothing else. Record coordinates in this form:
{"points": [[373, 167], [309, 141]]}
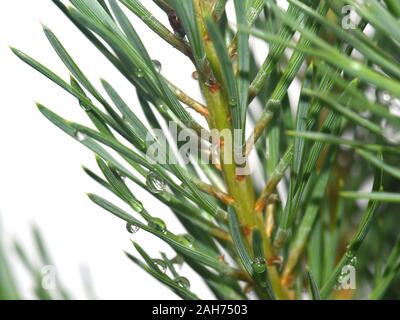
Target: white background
{"points": [[41, 180]]}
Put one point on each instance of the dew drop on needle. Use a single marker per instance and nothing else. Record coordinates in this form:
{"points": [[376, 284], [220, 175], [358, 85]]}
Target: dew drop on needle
{"points": [[183, 282], [80, 136], [259, 265], [162, 266], [158, 224], [186, 239], [155, 182], [131, 228], [157, 65]]}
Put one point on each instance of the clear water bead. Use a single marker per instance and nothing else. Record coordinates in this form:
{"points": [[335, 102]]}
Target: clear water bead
{"points": [[80, 136], [186, 239], [158, 224], [183, 282], [195, 75], [155, 182], [162, 266], [131, 228], [157, 64], [259, 265]]}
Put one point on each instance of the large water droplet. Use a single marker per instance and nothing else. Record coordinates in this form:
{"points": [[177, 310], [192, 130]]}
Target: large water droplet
{"points": [[183, 282], [80, 136], [157, 64], [158, 224], [155, 182], [162, 266], [132, 228], [259, 265], [186, 239]]}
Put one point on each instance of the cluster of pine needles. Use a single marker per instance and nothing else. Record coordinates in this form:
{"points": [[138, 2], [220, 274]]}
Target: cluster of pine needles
{"points": [[328, 162]]}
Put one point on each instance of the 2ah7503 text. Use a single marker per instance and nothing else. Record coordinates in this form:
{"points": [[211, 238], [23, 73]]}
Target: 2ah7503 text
{"points": [[220, 309]]}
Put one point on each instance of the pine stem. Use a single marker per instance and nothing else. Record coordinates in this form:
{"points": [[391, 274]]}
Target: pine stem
{"points": [[240, 188]]}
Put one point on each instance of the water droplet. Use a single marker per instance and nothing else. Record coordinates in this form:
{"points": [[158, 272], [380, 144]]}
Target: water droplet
{"points": [[157, 64], [139, 73], [233, 102], [80, 136], [351, 257], [183, 282], [384, 97], [131, 228], [195, 75], [221, 214], [155, 182], [118, 172], [158, 224], [163, 107], [349, 254], [162, 266], [186, 239], [259, 265]]}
